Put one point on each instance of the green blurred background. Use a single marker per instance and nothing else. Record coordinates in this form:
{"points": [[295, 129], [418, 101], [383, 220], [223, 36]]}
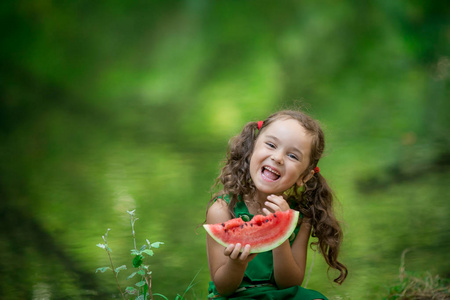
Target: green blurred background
{"points": [[108, 106]]}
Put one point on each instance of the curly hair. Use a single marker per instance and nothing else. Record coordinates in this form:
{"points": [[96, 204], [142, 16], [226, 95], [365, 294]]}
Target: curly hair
{"points": [[315, 201]]}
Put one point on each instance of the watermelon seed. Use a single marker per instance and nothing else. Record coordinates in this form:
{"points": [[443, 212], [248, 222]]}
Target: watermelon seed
{"points": [[223, 224], [242, 226], [275, 215]]}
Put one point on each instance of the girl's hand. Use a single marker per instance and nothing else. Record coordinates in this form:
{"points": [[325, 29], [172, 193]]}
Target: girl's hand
{"points": [[275, 203], [233, 252]]}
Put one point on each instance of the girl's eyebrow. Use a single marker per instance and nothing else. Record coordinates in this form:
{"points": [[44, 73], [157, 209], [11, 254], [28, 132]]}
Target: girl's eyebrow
{"points": [[295, 149]]}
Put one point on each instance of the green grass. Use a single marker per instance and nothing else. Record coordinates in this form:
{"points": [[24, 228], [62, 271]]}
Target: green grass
{"points": [[413, 286]]}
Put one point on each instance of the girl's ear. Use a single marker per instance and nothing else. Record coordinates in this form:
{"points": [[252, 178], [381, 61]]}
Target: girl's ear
{"points": [[302, 180]]}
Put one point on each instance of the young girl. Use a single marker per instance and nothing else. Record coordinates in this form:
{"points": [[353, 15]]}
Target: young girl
{"points": [[272, 166]]}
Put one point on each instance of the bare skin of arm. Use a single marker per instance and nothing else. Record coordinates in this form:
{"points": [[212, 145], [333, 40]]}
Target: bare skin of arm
{"points": [[226, 266], [289, 262]]}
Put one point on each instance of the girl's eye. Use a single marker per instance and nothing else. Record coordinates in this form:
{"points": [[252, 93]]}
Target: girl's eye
{"points": [[270, 145], [293, 156]]}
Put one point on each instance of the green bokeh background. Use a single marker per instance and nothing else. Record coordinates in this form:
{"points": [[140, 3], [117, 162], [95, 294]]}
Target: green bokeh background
{"points": [[108, 106]]}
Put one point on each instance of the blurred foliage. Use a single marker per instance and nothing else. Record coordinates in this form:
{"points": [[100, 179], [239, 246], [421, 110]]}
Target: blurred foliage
{"points": [[106, 106], [412, 286]]}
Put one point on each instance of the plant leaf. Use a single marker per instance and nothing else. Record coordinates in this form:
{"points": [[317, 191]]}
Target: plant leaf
{"points": [[102, 269], [130, 290], [143, 248], [108, 249], [156, 294], [122, 267], [103, 246], [137, 261], [135, 252], [156, 244], [141, 272], [140, 283], [148, 252], [132, 275], [140, 297], [191, 284]]}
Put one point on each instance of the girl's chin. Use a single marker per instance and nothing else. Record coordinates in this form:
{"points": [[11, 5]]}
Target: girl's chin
{"points": [[267, 186], [267, 190]]}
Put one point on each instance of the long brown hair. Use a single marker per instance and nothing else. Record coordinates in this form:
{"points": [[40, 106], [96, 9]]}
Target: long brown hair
{"points": [[315, 201]]}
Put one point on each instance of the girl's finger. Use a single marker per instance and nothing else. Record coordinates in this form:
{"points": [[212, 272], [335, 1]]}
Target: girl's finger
{"points": [[278, 201], [236, 251], [228, 250], [266, 211], [245, 253], [272, 206]]}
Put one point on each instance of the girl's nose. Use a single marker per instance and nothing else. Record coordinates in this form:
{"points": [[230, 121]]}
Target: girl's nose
{"points": [[277, 157]]}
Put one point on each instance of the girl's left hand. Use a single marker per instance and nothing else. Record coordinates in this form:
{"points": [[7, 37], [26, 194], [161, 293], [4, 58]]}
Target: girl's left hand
{"points": [[275, 203]]}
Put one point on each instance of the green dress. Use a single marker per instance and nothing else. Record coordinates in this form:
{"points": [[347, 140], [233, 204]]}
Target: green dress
{"points": [[258, 281]]}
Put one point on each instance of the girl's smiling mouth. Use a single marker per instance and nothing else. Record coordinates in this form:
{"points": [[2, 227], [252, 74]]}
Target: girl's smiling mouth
{"points": [[270, 174]]}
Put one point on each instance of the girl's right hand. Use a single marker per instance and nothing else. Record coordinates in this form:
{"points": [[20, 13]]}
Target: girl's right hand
{"points": [[233, 252]]}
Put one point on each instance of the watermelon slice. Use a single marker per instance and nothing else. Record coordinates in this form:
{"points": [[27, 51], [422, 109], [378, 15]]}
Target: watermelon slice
{"points": [[262, 233]]}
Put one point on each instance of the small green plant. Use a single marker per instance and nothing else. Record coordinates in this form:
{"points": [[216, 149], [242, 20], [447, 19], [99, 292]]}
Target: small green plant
{"points": [[143, 288], [419, 287]]}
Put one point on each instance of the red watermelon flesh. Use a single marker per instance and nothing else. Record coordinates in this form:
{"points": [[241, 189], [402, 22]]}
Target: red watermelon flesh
{"points": [[262, 233]]}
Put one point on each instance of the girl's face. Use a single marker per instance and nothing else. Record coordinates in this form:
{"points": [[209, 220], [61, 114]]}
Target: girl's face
{"points": [[280, 156]]}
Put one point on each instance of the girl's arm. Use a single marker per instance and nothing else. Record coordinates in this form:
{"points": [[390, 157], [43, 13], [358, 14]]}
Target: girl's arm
{"points": [[226, 266], [289, 262]]}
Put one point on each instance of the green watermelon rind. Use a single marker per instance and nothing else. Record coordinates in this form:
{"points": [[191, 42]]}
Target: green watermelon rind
{"points": [[266, 247]]}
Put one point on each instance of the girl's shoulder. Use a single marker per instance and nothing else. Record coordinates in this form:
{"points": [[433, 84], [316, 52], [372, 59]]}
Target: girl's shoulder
{"points": [[218, 211]]}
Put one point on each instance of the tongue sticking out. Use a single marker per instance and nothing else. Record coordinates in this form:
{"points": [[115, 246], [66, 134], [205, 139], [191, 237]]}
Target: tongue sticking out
{"points": [[269, 174]]}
